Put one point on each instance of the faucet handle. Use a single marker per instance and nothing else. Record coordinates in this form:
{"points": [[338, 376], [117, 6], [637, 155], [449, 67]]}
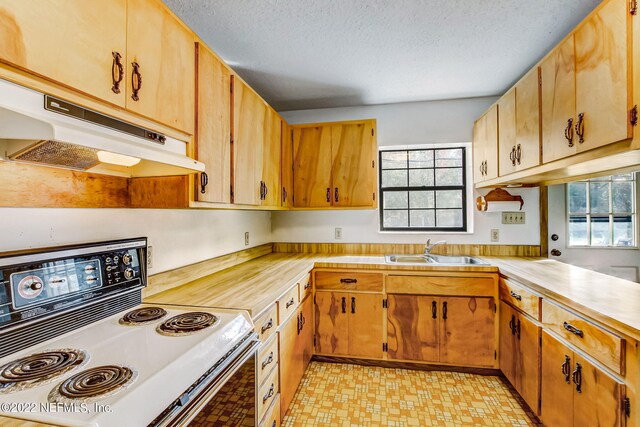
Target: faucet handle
{"points": [[428, 242]]}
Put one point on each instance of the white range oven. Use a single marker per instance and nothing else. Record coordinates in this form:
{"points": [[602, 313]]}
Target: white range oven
{"points": [[78, 347]]}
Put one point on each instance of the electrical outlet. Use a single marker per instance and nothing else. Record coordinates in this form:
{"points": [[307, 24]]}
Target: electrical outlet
{"points": [[338, 233], [149, 256], [513, 218], [495, 235], [246, 238]]}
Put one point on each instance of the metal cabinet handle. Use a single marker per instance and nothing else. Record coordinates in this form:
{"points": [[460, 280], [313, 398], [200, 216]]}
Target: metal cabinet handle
{"points": [[568, 132], [512, 155], [516, 296], [136, 81], [580, 128], [519, 154], [348, 280], [328, 195], [566, 369], [267, 326], [512, 324], [299, 320], [569, 327], [267, 361], [434, 310], [344, 305], [307, 285], [518, 329], [336, 197], [117, 72], [274, 423], [353, 305], [269, 394], [204, 181], [284, 194], [444, 310], [290, 303], [266, 191], [576, 376]]}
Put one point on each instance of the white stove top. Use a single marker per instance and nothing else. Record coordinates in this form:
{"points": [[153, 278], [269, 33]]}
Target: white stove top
{"points": [[165, 365]]}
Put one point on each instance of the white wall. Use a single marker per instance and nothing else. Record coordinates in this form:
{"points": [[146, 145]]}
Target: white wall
{"points": [[412, 123], [179, 237]]}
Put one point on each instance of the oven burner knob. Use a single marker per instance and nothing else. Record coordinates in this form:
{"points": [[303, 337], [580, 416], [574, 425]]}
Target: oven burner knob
{"points": [[36, 286], [129, 273], [126, 258], [30, 287]]}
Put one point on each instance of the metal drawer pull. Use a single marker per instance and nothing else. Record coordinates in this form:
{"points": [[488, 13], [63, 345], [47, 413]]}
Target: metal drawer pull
{"points": [[344, 304], [434, 310], [518, 329], [290, 303], [328, 195], [569, 327], [267, 326], [580, 128], [577, 377], [348, 280], [568, 132], [117, 72], [267, 361], [566, 369], [512, 324], [307, 285], [353, 304], [444, 310], [268, 395], [516, 296], [136, 81]]}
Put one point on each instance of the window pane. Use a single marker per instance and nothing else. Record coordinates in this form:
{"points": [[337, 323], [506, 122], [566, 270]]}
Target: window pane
{"points": [[394, 178], [449, 217], [395, 199], [421, 199], [600, 234], [599, 197], [447, 158], [577, 197], [394, 159], [449, 199], [623, 177], [578, 231], [421, 177], [622, 197], [449, 176], [396, 219], [421, 219], [623, 231], [421, 159]]}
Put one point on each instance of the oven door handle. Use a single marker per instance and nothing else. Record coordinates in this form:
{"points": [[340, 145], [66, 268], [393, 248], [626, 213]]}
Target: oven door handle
{"points": [[197, 399]]}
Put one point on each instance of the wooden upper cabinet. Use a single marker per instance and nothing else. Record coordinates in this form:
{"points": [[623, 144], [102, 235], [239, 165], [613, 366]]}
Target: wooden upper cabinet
{"points": [[312, 166], [558, 102], [249, 113], [507, 135], [213, 136], [527, 153], [485, 146], [160, 64], [272, 192], [603, 86], [68, 42], [286, 174]]}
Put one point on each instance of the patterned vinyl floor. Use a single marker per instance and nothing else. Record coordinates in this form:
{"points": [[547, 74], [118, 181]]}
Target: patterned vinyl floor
{"points": [[351, 395]]}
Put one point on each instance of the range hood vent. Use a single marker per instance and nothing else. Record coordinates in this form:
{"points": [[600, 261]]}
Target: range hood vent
{"points": [[40, 129]]}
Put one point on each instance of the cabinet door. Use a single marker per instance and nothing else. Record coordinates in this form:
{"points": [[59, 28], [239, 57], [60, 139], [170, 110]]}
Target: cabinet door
{"points": [[478, 149], [271, 158], [286, 175], [508, 351], [163, 48], [602, 75], [491, 143], [557, 392], [365, 325], [412, 327], [527, 369], [332, 323], [68, 42], [558, 76], [312, 167], [353, 164], [214, 127], [600, 397], [527, 121], [248, 144], [305, 339], [467, 331], [290, 362], [507, 134]]}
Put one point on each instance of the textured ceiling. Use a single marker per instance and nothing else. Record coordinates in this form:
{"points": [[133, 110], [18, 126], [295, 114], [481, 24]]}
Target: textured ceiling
{"points": [[301, 54]]}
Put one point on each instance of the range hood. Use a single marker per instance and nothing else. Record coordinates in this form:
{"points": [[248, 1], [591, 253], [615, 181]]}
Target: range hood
{"points": [[40, 129]]}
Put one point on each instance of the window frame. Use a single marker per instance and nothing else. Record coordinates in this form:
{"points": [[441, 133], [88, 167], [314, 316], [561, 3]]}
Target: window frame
{"points": [[635, 215], [463, 188]]}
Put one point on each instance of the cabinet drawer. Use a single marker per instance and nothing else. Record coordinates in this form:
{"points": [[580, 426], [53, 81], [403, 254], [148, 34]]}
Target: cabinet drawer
{"points": [[267, 359], [287, 304], [600, 344], [518, 296], [350, 280], [266, 324], [441, 285], [272, 417], [305, 287], [267, 393]]}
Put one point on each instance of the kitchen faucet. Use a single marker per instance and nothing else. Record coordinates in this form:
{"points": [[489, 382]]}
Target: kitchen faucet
{"points": [[428, 247]]}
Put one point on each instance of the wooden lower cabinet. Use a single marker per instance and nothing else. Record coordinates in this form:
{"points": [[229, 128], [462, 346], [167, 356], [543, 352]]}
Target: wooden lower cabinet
{"points": [[349, 324], [575, 392], [451, 330]]}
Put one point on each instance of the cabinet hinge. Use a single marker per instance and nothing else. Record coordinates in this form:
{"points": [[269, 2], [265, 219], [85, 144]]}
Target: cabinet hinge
{"points": [[371, 132], [385, 347], [373, 163], [231, 140], [633, 6], [626, 407], [231, 86], [385, 303], [633, 116], [374, 197]]}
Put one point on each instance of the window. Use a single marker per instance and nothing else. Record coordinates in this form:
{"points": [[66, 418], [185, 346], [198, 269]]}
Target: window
{"points": [[602, 211], [423, 190]]}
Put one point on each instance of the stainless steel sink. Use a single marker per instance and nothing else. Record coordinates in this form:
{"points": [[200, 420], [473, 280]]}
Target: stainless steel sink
{"points": [[433, 259]]}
